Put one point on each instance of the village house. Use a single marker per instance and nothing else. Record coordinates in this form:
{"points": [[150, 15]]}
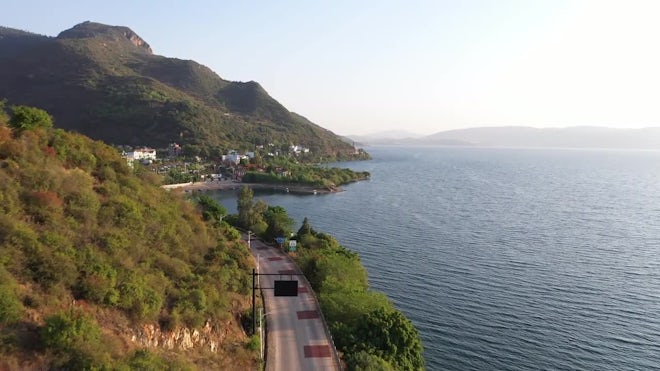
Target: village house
{"points": [[143, 153], [233, 157], [298, 149]]}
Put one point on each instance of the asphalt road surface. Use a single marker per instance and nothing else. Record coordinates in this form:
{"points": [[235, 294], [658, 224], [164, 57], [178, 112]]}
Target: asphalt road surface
{"points": [[297, 339]]}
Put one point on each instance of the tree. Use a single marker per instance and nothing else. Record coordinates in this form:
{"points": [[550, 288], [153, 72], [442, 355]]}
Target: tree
{"points": [[191, 150], [279, 222], [28, 118], [175, 176], [212, 210], [256, 220], [363, 361], [306, 228], [65, 331], [75, 339], [245, 205], [392, 337], [257, 160], [216, 152]]}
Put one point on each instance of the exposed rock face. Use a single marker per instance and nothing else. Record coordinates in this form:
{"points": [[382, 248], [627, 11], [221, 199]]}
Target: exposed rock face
{"points": [[209, 337], [137, 41]]}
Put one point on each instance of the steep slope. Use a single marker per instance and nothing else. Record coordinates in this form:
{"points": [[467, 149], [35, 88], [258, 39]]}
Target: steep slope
{"points": [[102, 268], [104, 82]]}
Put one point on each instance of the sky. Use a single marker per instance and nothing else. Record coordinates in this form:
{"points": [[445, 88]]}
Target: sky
{"points": [[360, 67]]}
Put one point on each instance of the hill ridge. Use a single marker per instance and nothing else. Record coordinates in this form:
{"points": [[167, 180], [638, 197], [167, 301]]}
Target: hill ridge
{"points": [[104, 81]]}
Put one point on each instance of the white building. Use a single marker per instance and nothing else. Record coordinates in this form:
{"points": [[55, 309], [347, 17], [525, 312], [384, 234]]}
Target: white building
{"points": [[298, 149], [233, 158], [142, 154]]}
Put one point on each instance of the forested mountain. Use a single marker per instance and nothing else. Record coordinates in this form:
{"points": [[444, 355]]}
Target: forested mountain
{"points": [[105, 82], [100, 268]]}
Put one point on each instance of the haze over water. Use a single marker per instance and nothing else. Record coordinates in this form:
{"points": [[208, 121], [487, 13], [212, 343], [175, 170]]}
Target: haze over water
{"points": [[508, 259]]}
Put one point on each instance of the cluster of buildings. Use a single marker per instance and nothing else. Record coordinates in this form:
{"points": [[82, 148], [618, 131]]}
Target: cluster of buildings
{"points": [[144, 154], [232, 159], [147, 155], [298, 149]]}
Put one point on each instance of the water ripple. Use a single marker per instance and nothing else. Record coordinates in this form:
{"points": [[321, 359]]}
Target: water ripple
{"points": [[509, 259]]}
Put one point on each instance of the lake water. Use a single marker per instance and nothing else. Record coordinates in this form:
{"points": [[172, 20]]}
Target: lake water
{"points": [[508, 259]]}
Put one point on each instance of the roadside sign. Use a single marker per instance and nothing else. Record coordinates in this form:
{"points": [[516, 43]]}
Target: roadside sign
{"points": [[286, 288], [292, 245]]}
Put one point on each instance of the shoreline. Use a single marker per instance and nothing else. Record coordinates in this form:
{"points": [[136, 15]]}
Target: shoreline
{"points": [[230, 185]]}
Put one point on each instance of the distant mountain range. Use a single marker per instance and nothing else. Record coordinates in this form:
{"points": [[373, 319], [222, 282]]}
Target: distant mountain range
{"points": [[385, 135], [521, 136], [105, 82]]}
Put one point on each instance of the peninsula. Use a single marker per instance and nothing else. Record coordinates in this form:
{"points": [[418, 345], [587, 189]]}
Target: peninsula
{"points": [[232, 185]]}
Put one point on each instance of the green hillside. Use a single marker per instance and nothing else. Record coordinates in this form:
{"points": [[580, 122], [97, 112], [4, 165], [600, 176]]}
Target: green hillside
{"points": [[103, 81], [91, 252]]}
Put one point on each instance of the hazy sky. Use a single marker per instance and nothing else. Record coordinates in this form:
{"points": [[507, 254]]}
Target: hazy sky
{"points": [[358, 67]]}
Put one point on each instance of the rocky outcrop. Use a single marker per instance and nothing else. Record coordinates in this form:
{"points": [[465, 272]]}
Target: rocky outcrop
{"points": [[209, 337], [137, 40], [118, 33]]}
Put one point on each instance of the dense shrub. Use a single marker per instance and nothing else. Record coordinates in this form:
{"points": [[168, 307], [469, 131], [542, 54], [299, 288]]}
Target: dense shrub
{"points": [[75, 341], [67, 331], [10, 305], [144, 360], [367, 329], [25, 118], [98, 283], [138, 299], [254, 343], [365, 361], [211, 209]]}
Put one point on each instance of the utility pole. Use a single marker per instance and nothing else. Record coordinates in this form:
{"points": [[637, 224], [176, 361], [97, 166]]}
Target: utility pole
{"points": [[254, 307], [261, 334]]}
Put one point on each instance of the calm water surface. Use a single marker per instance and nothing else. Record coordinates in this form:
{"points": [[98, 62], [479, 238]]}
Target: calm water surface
{"points": [[508, 259]]}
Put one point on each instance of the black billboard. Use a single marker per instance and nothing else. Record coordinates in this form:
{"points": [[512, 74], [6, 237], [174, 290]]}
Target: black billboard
{"points": [[286, 288]]}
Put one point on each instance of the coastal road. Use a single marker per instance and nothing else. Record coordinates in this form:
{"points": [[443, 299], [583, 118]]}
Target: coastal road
{"points": [[297, 339]]}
